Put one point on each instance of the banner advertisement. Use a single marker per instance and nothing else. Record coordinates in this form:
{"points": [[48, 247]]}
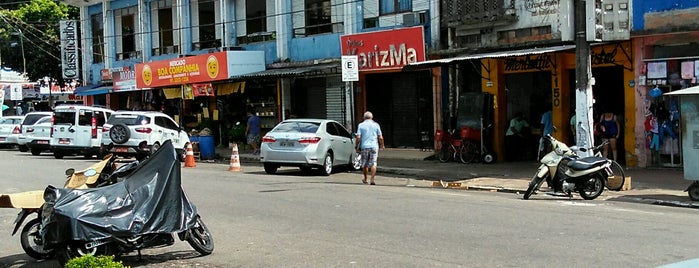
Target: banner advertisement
{"points": [[203, 90], [69, 49]]}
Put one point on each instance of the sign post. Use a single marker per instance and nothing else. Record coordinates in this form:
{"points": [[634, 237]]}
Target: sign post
{"points": [[350, 74]]}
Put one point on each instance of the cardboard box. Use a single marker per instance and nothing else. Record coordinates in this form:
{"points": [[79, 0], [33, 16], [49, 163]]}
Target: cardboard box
{"points": [[614, 180]]}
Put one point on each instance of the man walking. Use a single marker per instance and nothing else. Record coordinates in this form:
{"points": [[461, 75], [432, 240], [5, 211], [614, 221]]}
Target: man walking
{"points": [[252, 131], [369, 140]]}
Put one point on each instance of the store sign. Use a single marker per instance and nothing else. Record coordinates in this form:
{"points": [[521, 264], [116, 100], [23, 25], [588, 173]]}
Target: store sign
{"points": [[124, 80], [200, 90], [187, 70], [69, 49], [107, 73], [385, 50]]}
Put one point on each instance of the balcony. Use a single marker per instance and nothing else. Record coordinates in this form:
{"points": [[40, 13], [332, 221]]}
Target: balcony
{"points": [[475, 14], [128, 55], [257, 37], [206, 44], [166, 50]]}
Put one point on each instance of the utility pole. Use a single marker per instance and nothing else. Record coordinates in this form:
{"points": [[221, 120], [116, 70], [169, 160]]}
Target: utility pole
{"points": [[583, 75]]}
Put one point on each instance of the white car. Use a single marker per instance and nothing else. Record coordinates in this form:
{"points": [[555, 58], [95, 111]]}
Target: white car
{"points": [[38, 136], [140, 133], [29, 119], [10, 128], [76, 130]]}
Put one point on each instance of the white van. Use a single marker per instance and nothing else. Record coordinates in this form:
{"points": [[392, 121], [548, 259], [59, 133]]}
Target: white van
{"points": [[77, 129]]}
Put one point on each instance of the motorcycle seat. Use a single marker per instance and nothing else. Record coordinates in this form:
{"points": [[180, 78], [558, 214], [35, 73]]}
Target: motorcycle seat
{"points": [[587, 163]]}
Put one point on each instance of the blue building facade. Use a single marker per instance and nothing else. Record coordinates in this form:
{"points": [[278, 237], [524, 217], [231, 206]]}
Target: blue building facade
{"points": [[301, 44]]}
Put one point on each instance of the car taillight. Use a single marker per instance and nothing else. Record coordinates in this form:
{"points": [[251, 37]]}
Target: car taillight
{"points": [[105, 128], [17, 130], [28, 130], [309, 140], [94, 127], [268, 139], [51, 132], [146, 130]]}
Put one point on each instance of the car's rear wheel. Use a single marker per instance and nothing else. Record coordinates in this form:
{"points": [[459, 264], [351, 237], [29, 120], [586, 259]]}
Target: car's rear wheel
{"points": [[154, 148], [271, 168], [58, 154], [36, 151], [327, 167], [23, 148]]}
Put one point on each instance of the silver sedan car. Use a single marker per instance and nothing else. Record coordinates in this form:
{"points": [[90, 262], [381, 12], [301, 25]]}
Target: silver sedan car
{"points": [[307, 144], [10, 130]]}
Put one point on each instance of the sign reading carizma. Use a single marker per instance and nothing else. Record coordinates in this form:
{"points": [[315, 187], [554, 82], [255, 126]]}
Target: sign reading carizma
{"points": [[69, 49]]}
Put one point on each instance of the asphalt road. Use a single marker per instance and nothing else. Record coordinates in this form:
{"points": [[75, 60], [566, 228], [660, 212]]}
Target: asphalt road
{"points": [[294, 220]]}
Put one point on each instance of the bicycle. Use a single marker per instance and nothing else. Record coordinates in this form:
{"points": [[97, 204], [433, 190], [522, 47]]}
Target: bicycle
{"points": [[451, 148], [615, 167]]}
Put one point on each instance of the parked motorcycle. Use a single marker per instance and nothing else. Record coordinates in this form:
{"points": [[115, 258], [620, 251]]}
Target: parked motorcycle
{"points": [[569, 173], [30, 202], [143, 210]]}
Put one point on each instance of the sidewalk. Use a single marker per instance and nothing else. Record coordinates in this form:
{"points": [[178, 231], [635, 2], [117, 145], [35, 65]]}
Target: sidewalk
{"points": [[660, 186]]}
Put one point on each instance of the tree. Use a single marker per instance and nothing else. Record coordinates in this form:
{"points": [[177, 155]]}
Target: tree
{"points": [[34, 25]]}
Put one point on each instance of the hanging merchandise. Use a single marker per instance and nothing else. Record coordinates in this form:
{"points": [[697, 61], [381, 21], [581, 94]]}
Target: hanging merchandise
{"points": [[656, 92]]}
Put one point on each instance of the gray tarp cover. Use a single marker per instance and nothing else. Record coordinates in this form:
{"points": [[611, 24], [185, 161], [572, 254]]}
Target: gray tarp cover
{"points": [[149, 200]]}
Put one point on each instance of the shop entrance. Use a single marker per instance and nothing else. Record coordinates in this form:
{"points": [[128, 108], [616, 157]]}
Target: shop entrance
{"points": [[608, 94], [402, 105], [530, 94]]}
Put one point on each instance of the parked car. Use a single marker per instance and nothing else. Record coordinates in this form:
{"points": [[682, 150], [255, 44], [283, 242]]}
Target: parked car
{"points": [[140, 133], [29, 119], [307, 144], [38, 136], [10, 128], [76, 130]]}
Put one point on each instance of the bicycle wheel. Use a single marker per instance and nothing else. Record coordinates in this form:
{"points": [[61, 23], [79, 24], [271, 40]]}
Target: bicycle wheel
{"points": [[468, 152], [620, 178], [444, 153]]}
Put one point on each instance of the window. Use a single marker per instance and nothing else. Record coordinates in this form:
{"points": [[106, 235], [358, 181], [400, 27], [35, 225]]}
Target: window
{"points": [[163, 37], [395, 6], [125, 28], [371, 22], [318, 14], [85, 118], [207, 25], [97, 27], [256, 16], [64, 118]]}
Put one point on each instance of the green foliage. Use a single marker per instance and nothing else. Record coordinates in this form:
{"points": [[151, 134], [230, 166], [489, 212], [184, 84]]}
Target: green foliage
{"points": [[90, 261], [38, 23]]}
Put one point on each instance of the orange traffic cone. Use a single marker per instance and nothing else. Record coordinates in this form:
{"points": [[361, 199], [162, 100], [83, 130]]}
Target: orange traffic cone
{"points": [[189, 157], [235, 159]]}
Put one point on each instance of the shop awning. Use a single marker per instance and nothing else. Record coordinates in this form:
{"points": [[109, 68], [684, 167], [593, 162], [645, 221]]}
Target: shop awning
{"points": [[292, 71], [92, 90], [687, 91], [489, 55]]}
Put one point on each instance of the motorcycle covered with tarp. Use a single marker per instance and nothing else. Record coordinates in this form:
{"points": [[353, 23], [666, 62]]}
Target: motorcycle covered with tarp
{"points": [[30, 202], [146, 209]]}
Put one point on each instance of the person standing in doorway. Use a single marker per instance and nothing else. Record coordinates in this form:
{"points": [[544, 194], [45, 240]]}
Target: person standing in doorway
{"points": [[547, 128], [369, 139], [252, 131], [515, 138], [609, 126]]}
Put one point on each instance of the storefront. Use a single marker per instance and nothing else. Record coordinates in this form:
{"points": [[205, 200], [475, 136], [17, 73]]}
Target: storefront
{"points": [[664, 63], [403, 103], [531, 80], [186, 88]]}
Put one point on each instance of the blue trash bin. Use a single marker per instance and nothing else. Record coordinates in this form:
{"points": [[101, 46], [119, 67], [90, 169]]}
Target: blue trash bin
{"points": [[207, 149]]}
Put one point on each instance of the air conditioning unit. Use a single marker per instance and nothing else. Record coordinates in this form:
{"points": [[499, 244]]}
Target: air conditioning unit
{"points": [[415, 18]]}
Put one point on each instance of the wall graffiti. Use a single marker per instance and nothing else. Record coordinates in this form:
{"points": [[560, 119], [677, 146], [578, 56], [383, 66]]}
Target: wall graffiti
{"points": [[541, 7]]}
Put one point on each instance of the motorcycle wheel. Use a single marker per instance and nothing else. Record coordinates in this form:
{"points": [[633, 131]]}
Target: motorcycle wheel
{"points": [[76, 249], [200, 238], [592, 188], [30, 238], [533, 186]]}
